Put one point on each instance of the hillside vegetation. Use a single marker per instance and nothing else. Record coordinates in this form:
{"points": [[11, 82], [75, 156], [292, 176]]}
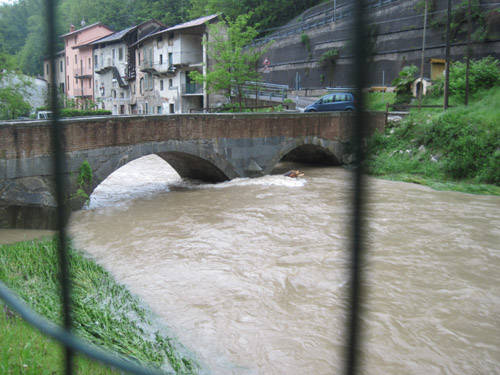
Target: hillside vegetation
{"points": [[457, 149], [22, 24]]}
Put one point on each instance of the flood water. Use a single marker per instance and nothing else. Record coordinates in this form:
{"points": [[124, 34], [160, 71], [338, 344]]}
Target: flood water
{"points": [[251, 274]]}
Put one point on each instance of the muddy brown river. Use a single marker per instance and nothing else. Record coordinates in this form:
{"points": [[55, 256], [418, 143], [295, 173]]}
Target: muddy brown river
{"points": [[251, 275]]}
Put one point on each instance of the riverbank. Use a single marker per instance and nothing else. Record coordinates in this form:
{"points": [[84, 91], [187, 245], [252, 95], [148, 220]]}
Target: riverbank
{"points": [[457, 149], [104, 313]]}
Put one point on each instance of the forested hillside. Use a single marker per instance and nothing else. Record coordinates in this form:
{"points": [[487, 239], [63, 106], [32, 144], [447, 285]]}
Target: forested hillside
{"points": [[22, 28]]}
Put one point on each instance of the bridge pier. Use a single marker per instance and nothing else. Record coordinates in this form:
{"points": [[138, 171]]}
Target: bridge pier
{"points": [[212, 148]]}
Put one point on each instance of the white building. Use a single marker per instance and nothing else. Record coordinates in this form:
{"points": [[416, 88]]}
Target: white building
{"points": [[115, 68], [165, 59]]}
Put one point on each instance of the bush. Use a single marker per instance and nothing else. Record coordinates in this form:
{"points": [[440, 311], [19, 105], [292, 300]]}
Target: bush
{"points": [[403, 83], [73, 112], [483, 74]]}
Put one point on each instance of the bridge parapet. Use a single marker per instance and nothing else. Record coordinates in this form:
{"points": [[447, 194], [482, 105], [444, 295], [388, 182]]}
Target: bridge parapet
{"points": [[211, 147]]}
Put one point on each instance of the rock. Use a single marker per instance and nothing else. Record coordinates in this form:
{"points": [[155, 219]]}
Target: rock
{"points": [[421, 148], [434, 159]]}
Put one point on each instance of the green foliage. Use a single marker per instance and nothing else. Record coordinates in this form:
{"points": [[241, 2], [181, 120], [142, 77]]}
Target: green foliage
{"points": [[403, 83], [233, 62], [13, 88], [265, 13], [84, 183], [104, 312], [74, 112], [458, 24], [329, 58], [328, 61], [306, 41], [483, 74], [462, 143], [12, 104]]}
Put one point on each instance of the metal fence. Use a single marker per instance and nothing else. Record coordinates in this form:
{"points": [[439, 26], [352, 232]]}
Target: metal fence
{"points": [[73, 344]]}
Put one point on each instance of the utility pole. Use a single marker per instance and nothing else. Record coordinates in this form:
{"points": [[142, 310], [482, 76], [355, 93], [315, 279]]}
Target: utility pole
{"points": [[422, 59], [447, 59], [469, 52]]}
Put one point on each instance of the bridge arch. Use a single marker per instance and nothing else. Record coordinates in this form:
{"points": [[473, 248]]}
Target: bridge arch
{"points": [[311, 150], [190, 162]]}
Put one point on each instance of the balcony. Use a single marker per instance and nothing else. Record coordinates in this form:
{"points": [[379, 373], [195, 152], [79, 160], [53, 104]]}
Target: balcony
{"points": [[147, 66], [192, 89], [105, 65]]}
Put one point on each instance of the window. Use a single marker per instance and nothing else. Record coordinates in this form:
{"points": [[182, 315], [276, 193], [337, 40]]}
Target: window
{"points": [[141, 84], [67, 60], [120, 54], [161, 59], [90, 83], [113, 93], [60, 66], [138, 58], [122, 94], [96, 61], [146, 110], [47, 68], [61, 87], [158, 109], [170, 59], [76, 59], [67, 80], [161, 84], [90, 63], [113, 54], [171, 108], [170, 83]]}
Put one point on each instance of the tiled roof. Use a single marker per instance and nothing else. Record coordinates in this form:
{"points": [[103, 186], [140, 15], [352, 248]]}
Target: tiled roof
{"points": [[186, 25], [113, 37], [193, 23], [85, 28]]}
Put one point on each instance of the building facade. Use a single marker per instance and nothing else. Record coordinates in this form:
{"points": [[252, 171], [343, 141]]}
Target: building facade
{"points": [[60, 69], [79, 60], [144, 69]]}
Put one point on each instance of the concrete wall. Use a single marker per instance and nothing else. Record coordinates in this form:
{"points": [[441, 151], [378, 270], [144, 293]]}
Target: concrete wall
{"points": [[207, 147], [397, 28]]}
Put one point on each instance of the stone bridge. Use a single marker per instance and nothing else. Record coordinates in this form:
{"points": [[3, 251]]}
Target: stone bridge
{"points": [[209, 147]]}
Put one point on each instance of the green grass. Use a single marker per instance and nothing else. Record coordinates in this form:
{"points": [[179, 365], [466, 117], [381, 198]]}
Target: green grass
{"points": [[457, 149], [24, 350], [104, 312], [376, 101]]}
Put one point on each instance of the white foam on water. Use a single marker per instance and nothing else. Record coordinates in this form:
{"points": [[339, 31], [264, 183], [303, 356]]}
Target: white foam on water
{"points": [[274, 180]]}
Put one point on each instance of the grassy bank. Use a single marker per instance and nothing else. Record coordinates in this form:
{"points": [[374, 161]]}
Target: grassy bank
{"points": [[104, 313], [457, 149]]}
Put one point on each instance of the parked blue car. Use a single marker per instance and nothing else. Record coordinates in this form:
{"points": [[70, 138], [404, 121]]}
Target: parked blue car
{"points": [[339, 101]]}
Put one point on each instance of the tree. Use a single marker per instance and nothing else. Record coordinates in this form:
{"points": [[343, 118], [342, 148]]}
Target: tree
{"points": [[12, 90], [403, 83], [233, 62]]}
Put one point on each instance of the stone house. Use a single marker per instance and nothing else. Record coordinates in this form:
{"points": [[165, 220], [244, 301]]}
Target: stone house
{"points": [[114, 67], [165, 59]]}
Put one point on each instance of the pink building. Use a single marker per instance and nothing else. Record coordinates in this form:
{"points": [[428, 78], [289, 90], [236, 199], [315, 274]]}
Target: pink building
{"points": [[79, 64]]}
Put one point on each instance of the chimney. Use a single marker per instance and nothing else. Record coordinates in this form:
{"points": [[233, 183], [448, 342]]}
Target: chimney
{"points": [[72, 28]]}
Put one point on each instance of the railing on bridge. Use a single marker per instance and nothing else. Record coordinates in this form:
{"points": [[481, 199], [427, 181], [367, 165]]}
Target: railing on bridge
{"points": [[265, 91], [73, 344]]}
